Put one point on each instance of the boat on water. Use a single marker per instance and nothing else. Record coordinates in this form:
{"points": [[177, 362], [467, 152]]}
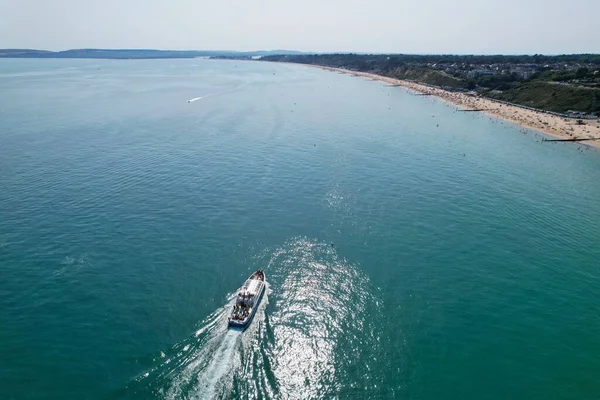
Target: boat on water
{"points": [[247, 300]]}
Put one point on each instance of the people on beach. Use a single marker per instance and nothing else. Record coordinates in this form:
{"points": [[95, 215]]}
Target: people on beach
{"points": [[551, 123]]}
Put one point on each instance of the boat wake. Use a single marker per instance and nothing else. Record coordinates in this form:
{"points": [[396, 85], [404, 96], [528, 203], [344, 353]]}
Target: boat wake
{"points": [[202, 378], [202, 366], [197, 98], [320, 327]]}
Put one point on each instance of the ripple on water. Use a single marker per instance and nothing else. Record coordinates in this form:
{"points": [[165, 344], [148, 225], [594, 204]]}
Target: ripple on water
{"points": [[318, 304]]}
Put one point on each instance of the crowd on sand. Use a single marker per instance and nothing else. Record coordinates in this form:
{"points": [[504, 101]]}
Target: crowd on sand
{"points": [[554, 125]]}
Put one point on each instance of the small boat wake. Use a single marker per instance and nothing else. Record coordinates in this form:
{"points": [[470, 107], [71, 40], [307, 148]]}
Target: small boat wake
{"points": [[198, 98]]}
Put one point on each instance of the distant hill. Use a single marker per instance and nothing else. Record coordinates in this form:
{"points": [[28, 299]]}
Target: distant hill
{"points": [[20, 52], [124, 54]]}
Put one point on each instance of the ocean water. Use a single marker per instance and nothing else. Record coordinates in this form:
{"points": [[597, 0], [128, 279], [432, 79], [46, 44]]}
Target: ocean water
{"points": [[412, 251]]}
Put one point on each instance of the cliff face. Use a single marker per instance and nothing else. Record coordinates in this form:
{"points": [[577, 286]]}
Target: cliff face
{"points": [[553, 97], [428, 76]]}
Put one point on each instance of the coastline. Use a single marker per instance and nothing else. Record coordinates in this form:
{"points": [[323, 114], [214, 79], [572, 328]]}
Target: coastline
{"points": [[551, 125]]}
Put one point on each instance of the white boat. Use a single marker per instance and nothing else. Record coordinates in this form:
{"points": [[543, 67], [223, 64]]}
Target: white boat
{"points": [[247, 300]]}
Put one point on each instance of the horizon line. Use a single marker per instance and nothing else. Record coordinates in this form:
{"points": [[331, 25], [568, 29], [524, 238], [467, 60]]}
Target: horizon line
{"points": [[304, 52]]}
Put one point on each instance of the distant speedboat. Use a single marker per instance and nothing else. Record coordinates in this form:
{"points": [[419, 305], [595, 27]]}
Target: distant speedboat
{"points": [[241, 313]]}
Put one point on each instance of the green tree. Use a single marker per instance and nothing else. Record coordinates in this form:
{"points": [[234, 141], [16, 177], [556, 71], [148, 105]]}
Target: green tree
{"points": [[581, 73]]}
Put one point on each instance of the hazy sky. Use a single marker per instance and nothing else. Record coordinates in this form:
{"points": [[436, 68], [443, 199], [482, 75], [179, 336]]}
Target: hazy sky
{"points": [[402, 26]]}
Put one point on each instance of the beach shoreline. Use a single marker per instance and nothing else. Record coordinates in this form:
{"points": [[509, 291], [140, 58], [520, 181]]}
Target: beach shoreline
{"points": [[549, 124]]}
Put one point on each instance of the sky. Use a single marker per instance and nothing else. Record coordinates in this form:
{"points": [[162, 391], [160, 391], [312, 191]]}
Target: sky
{"points": [[378, 26]]}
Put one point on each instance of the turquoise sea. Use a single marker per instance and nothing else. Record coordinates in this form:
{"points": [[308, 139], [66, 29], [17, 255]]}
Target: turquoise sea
{"points": [[412, 251]]}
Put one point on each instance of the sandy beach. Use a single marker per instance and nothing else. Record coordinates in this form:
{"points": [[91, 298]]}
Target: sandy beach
{"points": [[563, 128]]}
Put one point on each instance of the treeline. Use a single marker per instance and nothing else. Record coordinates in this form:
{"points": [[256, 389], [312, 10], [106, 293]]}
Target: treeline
{"points": [[582, 76], [383, 61]]}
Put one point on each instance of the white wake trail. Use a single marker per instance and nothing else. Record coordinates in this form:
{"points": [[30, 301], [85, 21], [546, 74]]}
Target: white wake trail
{"points": [[207, 371], [197, 98], [221, 364]]}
